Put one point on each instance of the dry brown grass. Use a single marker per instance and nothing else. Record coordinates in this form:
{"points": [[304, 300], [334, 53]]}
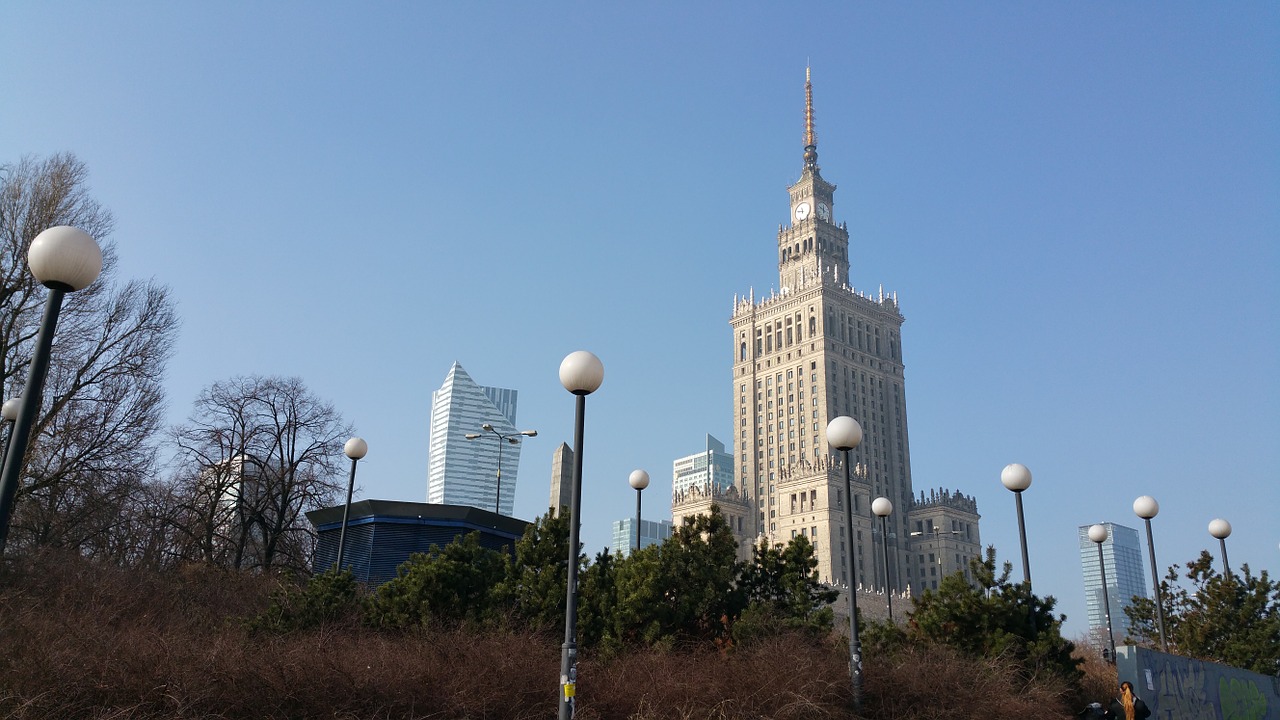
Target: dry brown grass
{"points": [[85, 641], [1100, 681]]}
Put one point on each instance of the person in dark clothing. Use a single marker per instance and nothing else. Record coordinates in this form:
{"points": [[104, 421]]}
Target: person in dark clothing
{"points": [[1128, 706]]}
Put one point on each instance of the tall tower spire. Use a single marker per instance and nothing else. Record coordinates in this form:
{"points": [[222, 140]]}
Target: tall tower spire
{"points": [[810, 137]]}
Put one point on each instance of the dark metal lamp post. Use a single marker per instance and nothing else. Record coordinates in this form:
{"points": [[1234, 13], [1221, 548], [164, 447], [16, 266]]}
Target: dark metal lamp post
{"points": [[1098, 534], [356, 448], [639, 480], [581, 373], [883, 507], [512, 438], [64, 259], [844, 434], [1146, 508], [1017, 477]]}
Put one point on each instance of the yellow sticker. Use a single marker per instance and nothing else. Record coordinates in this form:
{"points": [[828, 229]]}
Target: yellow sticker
{"points": [[568, 690]]}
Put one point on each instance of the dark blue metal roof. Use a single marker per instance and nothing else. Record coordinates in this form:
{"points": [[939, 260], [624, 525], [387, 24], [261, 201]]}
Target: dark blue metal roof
{"points": [[382, 534]]}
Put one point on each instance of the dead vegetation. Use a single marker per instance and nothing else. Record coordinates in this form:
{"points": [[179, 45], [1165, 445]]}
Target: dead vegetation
{"points": [[86, 640]]}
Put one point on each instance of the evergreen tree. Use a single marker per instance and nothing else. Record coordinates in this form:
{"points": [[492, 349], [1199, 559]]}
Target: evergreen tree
{"points": [[597, 599], [450, 585], [535, 587], [782, 591], [683, 590], [993, 617], [1231, 620]]}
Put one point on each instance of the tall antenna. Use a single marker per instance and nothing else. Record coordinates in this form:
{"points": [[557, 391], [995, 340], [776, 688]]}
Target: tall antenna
{"points": [[810, 136]]}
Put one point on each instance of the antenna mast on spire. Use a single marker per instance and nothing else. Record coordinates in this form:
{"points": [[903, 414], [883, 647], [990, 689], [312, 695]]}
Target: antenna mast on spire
{"points": [[810, 137]]}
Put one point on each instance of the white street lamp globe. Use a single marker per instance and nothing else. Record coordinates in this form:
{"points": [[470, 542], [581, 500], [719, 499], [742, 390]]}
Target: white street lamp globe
{"points": [[1098, 533], [581, 372], [9, 411], [639, 479], [1146, 507], [65, 257], [1016, 477], [1220, 528], [882, 506], [356, 448], [844, 433]]}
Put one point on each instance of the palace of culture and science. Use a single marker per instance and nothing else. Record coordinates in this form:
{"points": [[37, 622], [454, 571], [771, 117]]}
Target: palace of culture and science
{"points": [[814, 350]]}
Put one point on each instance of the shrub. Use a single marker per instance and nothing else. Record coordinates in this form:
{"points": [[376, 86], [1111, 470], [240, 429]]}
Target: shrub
{"points": [[329, 598]]}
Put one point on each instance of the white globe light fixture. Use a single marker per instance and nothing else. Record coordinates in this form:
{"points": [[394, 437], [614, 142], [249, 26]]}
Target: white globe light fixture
{"points": [[65, 256], [882, 506], [9, 411], [844, 433], [581, 373], [355, 449], [1098, 533], [1146, 508], [1016, 477], [63, 259]]}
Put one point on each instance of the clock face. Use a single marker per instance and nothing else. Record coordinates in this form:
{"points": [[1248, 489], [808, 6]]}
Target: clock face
{"points": [[824, 212], [802, 211]]}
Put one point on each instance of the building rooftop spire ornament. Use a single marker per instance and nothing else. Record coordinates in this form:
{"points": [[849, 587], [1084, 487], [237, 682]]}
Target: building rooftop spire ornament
{"points": [[810, 137]]}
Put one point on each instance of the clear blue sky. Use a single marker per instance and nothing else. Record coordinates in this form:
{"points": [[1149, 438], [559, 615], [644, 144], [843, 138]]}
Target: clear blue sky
{"points": [[1077, 203]]}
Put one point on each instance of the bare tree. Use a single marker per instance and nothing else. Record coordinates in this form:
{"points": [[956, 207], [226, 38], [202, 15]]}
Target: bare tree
{"points": [[93, 445], [256, 454]]}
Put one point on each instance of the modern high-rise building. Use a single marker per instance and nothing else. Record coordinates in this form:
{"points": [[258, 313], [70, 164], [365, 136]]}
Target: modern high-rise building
{"points": [[462, 471], [814, 349], [712, 466], [652, 532], [1122, 559]]}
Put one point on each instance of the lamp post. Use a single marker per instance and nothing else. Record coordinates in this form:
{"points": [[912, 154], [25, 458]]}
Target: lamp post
{"points": [[63, 259], [355, 449], [513, 438], [639, 480], [1221, 529], [1146, 508], [883, 507], [581, 373], [844, 433], [1098, 534], [1016, 477]]}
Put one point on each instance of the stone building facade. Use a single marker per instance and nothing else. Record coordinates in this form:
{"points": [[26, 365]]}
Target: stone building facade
{"points": [[815, 349]]}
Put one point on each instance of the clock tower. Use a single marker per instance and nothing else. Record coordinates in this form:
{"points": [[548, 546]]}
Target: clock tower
{"points": [[817, 349], [811, 243]]}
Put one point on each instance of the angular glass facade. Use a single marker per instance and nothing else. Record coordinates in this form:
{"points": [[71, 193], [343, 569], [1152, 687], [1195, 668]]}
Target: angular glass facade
{"points": [[462, 471]]}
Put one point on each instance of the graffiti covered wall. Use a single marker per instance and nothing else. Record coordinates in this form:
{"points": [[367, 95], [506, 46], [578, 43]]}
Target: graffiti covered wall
{"points": [[1178, 688]]}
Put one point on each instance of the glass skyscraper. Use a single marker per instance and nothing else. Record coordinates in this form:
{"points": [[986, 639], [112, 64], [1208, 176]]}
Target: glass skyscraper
{"points": [[462, 471], [703, 470], [1122, 558], [652, 532]]}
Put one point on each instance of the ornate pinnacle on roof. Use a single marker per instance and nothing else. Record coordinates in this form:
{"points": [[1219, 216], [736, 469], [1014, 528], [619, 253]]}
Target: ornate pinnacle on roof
{"points": [[810, 137]]}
